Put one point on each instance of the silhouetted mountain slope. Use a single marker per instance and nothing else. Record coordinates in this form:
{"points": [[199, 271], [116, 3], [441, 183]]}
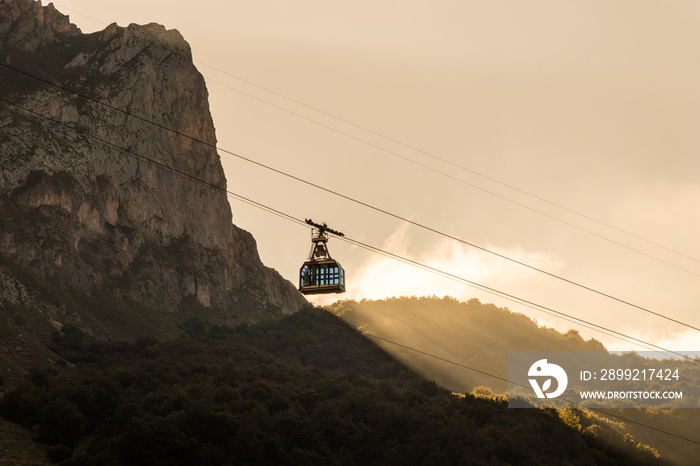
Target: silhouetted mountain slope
{"points": [[474, 334], [304, 390], [481, 335]]}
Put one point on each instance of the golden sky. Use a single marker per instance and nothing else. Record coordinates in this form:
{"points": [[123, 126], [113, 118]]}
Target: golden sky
{"points": [[591, 105]]}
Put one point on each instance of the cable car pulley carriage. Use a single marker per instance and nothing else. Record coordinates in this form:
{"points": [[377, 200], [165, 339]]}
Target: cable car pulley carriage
{"points": [[321, 274]]}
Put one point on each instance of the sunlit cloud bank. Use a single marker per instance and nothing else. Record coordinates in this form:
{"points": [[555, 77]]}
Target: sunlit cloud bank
{"points": [[682, 343], [381, 277], [657, 336]]}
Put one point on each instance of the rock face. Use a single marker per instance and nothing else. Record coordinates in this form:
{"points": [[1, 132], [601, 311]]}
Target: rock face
{"points": [[100, 198], [26, 24]]}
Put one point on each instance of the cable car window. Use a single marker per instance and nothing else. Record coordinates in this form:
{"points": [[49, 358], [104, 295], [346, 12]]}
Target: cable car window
{"points": [[321, 274]]}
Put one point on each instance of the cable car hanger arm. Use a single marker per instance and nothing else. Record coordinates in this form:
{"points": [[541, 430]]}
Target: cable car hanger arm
{"points": [[323, 227]]}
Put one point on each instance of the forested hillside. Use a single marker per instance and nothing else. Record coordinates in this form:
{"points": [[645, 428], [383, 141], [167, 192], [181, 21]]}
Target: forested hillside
{"points": [[304, 390], [474, 334], [479, 336]]}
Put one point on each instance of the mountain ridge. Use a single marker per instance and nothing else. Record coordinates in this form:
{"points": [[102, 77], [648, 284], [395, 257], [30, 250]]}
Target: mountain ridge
{"points": [[94, 206]]}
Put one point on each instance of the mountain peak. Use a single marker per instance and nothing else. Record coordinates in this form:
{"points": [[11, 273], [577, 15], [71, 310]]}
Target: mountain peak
{"points": [[110, 181], [27, 24]]}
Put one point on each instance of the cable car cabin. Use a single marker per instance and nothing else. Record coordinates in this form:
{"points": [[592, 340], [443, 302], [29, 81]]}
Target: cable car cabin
{"points": [[317, 277], [320, 273]]}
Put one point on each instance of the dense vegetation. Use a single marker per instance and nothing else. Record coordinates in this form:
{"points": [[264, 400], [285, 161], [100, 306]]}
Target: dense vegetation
{"points": [[481, 335], [304, 390], [471, 333]]}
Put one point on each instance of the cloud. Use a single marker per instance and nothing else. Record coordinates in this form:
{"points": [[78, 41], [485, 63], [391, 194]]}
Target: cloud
{"points": [[680, 342], [382, 277]]}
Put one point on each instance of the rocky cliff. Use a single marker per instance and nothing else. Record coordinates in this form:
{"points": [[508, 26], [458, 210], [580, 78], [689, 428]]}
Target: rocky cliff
{"points": [[95, 208]]}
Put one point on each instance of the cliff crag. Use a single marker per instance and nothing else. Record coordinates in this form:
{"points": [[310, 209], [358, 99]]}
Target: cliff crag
{"points": [[99, 210]]}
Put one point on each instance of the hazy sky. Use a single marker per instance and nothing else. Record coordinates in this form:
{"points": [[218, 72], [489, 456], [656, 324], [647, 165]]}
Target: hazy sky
{"points": [[592, 105]]}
